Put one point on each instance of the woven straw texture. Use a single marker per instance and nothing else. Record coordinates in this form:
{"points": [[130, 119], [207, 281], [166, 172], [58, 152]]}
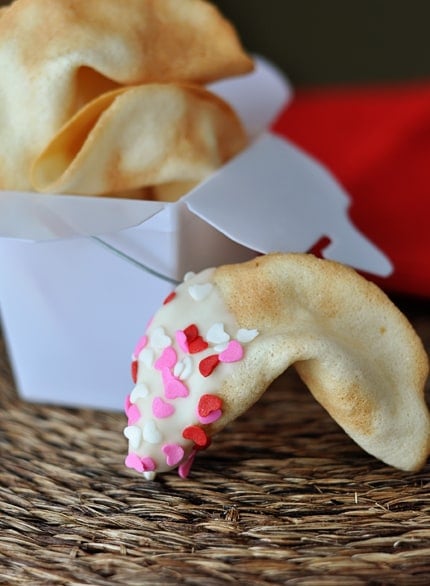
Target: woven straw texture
{"points": [[282, 497]]}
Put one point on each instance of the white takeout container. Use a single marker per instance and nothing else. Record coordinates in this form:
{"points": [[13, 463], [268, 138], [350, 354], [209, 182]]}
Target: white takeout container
{"points": [[81, 276]]}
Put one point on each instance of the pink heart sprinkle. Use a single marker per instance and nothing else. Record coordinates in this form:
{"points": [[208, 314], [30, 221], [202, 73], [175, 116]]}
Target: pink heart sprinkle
{"points": [[167, 359], [127, 404], [175, 388], [185, 467], [161, 409], [151, 319], [135, 462], [181, 338], [140, 346], [139, 464], [166, 375], [232, 353], [211, 418], [133, 414], [174, 454], [148, 464]]}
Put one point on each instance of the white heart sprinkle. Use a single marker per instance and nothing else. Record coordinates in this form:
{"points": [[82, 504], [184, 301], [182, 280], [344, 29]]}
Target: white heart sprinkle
{"points": [[178, 369], [140, 391], [243, 335], [200, 292], [146, 357], [149, 475], [217, 335], [189, 276], [184, 368], [159, 339], [221, 347], [134, 435], [151, 432]]}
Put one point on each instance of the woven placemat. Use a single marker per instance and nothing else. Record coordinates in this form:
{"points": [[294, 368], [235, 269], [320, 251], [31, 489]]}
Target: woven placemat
{"points": [[283, 496]]}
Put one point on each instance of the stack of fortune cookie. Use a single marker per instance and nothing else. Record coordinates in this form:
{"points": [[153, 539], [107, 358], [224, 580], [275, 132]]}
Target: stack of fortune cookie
{"points": [[109, 98]]}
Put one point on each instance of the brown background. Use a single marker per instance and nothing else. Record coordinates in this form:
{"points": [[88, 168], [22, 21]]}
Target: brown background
{"points": [[337, 41]]}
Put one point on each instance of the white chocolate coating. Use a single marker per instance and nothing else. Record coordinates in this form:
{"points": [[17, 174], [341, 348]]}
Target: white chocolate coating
{"points": [[169, 383]]}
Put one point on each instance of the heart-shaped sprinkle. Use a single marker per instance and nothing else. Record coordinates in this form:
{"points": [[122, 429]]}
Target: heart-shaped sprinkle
{"points": [[159, 339], [185, 467], [220, 347], [161, 409], [150, 320], [243, 335], [217, 335], [184, 368], [179, 368], [167, 359], [189, 276], [169, 298], [151, 433], [134, 435], [188, 368], [139, 464], [146, 357], [201, 291], [166, 375], [148, 464], [174, 454], [207, 404], [133, 414], [127, 403], [175, 389], [197, 345], [134, 369], [191, 332], [181, 338], [208, 364], [232, 353], [134, 461], [140, 346], [197, 435], [140, 391], [211, 418]]}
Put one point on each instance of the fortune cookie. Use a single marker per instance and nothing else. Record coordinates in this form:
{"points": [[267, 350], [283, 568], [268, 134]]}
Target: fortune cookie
{"points": [[223, 335], [149, 135]]}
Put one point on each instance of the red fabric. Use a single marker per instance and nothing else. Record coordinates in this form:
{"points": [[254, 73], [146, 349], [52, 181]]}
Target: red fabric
{"points": [[376, 141]]}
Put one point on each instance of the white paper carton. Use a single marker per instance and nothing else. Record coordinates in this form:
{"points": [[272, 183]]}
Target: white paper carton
{"points": [[80, 277]]}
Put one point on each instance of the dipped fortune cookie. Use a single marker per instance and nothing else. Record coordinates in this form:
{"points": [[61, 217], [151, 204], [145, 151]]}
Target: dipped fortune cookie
{"points": [[224, 334]]}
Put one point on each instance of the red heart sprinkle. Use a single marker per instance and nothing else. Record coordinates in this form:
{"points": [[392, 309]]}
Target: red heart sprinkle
{"points": [[169, 298], [191, 332], [198, 448], [197, 435], [197, 345], [127, 404], [207, 366], [134, 366], [208, 404]]}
